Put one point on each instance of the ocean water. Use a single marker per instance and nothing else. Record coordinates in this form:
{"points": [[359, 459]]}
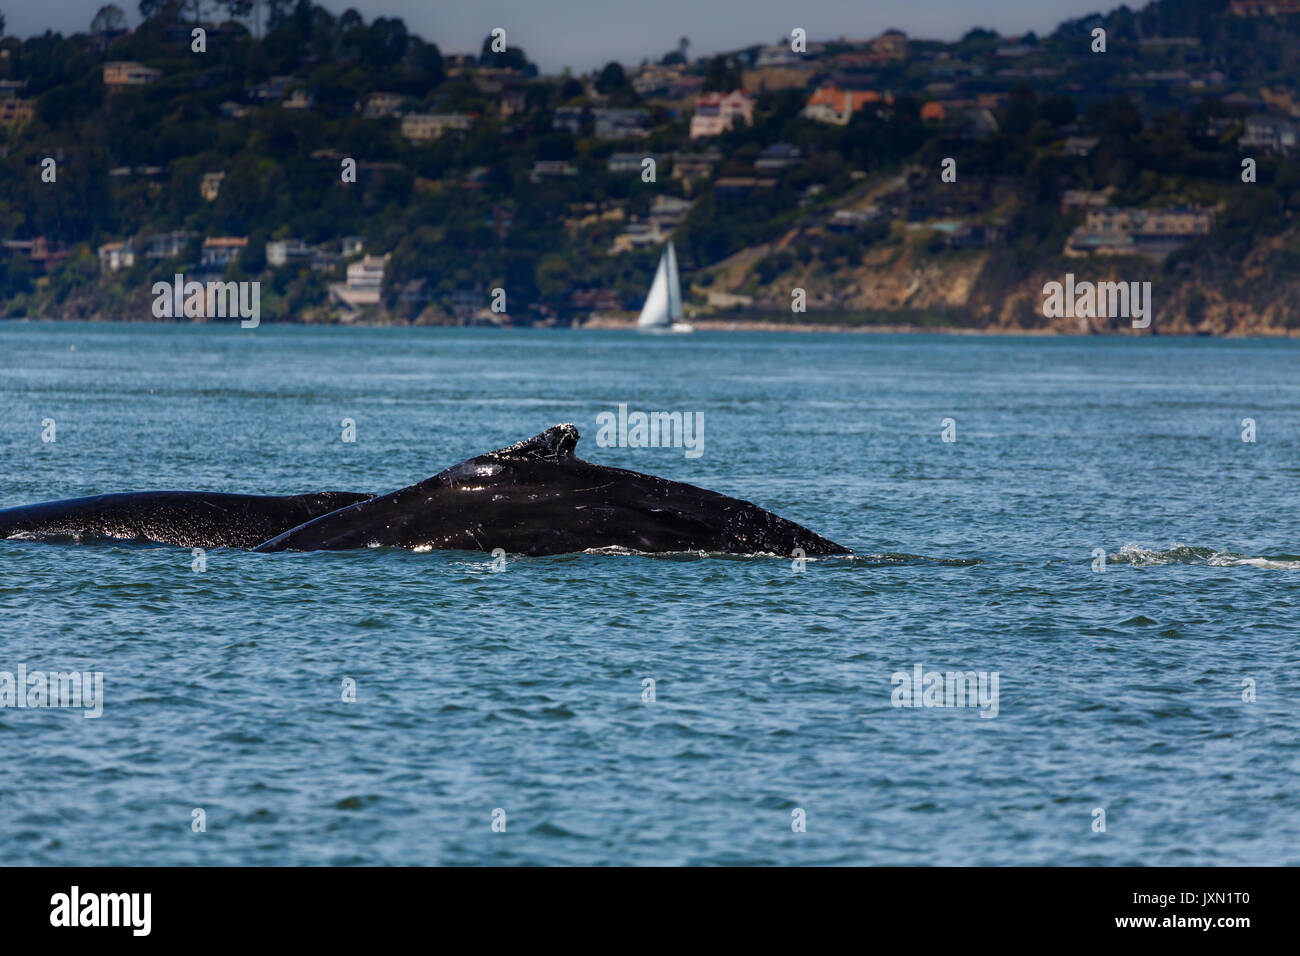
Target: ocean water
{"points": [[519, 695]]}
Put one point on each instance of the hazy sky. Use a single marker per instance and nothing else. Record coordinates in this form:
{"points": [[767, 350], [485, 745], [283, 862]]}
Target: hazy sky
{"points": [[588, 33]]}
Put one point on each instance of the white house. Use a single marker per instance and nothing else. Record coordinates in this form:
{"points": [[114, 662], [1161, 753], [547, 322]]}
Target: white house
{"points": [[280, 252], [115, 256], [717, 112], [422, 127], [365, 282]]}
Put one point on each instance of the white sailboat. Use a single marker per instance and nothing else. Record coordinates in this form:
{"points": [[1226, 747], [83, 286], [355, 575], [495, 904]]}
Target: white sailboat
{"points": [[662, 311]]}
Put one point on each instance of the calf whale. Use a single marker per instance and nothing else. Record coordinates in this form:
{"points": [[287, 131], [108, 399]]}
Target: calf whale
{"points": [[537, 497], [191, 519]]}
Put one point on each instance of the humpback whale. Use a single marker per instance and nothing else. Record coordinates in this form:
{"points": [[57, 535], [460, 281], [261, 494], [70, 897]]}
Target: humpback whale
{"points": [[191, 519], [537, 497]]}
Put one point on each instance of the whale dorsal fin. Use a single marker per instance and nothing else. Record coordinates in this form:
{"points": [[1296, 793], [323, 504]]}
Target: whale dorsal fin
{"points": [[555, 444]]}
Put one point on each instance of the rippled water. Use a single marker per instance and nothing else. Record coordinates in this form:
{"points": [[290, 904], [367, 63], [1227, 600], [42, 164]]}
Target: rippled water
{"points": [[522, 690]]}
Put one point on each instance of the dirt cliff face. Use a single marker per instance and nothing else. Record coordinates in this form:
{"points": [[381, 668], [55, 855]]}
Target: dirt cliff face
{"points": [[887, 278], [1184, 302], [983, 290], [889, 282]]}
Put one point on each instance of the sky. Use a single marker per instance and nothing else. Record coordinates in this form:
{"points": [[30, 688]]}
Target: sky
{"points": [[585, 34]]}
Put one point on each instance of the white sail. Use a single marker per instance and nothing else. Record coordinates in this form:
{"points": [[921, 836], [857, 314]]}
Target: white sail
{"points": [[656, 313], [674, 285], [663, 306]]}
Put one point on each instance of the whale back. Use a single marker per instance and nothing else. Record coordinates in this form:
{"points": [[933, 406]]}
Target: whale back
{"points": [[537, 497], [191, 519]]}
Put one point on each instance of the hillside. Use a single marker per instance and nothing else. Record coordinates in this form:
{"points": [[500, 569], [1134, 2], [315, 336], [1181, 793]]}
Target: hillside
{"points": [[359, 173]]}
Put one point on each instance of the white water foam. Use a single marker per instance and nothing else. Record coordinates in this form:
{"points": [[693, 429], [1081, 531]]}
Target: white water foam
{"points": [[1178, 553]]}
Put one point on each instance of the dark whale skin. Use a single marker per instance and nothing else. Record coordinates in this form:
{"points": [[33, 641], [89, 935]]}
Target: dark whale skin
{"points": [[191, 519], [537, 498]]}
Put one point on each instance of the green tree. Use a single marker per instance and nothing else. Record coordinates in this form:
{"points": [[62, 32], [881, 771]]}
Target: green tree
{"points": [[723, 75], [511, 58], [108, 19], [424, 69], [611, 78]]}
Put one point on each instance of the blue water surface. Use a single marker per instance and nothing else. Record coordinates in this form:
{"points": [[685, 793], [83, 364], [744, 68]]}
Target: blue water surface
{"points": [[521, 695]]}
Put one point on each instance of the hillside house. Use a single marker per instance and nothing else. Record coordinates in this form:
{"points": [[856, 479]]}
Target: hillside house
{"points": [[425, 127], [122, 74], [627, 162], [280, 252], [779, 156], [835, 106], [551, 168], [365, 282], [1272, 134], [1145, 232], [568, 119], [168, 245], [380, 105], [220, 251], [715, 113], [15, 112], [42, 254], [115, 256], [620, 123]]}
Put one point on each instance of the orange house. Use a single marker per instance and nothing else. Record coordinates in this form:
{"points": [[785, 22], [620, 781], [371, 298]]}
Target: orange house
{"points": [[833, 105], [933, 112]]}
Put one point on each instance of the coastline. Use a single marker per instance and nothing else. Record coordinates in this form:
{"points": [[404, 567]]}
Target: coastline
{"points": [[713, 325], [609, 324]]}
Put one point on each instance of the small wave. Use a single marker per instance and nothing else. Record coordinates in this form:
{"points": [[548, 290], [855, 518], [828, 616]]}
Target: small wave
{"points": [[88, 538], [615, 549], [872, 560], [1141, 557], [48, 536], [1290, 563], [895, 558]]}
